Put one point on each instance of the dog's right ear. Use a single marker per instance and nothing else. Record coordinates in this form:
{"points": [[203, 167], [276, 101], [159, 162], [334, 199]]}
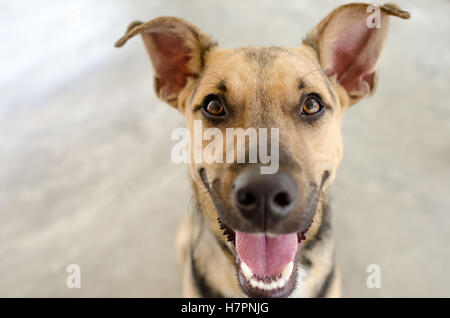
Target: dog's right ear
{"points": [[177, 51]]}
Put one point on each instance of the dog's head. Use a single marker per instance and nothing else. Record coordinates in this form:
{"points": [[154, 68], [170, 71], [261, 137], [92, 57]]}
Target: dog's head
{"points": [[301, 91]]}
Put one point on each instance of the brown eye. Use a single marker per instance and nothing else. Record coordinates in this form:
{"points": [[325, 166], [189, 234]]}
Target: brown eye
{"points": [[311, 106], [214, 107]]}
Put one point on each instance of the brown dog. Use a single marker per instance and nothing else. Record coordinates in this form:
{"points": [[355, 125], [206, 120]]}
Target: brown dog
{"points": [[266, 234]]}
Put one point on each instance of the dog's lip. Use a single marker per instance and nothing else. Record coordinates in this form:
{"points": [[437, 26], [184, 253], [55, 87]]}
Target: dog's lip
{"points": [[257, 292]]}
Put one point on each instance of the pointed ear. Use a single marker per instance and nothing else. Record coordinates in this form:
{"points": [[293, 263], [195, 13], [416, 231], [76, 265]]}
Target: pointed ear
{"points": [[176, 49], [348, 43]]}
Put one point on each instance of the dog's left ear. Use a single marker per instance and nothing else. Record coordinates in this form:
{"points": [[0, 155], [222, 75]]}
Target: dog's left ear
{"points": [[349, 42], [177, 50]]}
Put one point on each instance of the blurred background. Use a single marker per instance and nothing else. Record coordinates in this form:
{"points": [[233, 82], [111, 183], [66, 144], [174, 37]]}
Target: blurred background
{"points": [[85, 169]]}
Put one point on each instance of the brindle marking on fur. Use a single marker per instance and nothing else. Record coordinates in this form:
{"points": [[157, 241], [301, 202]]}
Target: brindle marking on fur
{"points": [[311, 206], [194, 91], [201, 220], [327, 283], [311, 43], [301, 84], [330, 90], [202, 286], [323, 231], [222, 86], [263, 57], [305, 260], [325, 176], [205, 50], [225, 248]]}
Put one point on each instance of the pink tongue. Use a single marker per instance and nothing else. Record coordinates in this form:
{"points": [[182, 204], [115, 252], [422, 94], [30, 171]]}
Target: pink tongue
{"points": [[266, 256]]}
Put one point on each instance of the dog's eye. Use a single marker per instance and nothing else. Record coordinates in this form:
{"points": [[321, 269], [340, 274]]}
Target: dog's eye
{"points": [[311, 106], [212, 106]]}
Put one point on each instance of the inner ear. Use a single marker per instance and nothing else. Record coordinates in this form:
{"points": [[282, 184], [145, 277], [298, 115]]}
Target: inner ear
{"points": [[351, 50], [177, 51], [169, 56], [349, 45]]}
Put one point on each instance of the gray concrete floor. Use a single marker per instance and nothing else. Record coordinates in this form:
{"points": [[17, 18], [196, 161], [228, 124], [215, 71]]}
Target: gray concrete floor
{"points": [[85, 174]]}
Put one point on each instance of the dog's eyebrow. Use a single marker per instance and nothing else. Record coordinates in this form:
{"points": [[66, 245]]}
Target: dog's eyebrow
{"points": [[222, 86], [302, 83], [330, 91]]}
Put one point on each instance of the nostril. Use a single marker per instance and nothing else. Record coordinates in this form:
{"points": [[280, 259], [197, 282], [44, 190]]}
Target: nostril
{"points": [[282, 199], [263, 199], [246, 198]]}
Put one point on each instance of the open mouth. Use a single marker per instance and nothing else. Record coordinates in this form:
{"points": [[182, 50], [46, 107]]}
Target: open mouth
{"points": [[265, 262]]}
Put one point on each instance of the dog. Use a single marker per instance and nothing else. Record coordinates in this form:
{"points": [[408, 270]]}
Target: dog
{"points": [[253, 234]]}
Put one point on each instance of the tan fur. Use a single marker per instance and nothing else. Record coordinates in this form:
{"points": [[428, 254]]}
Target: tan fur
{"points": [[265, 80], [183, 239]]}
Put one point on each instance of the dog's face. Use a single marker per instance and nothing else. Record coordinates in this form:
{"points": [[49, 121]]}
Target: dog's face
{"points": [[303, 92], [268, 88]]}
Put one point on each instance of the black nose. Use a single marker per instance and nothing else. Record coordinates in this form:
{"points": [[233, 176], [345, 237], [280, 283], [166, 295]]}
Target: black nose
{"points": [[264, 197]]}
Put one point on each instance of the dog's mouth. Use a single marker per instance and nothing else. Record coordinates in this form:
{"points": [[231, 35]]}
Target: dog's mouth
{"points": [[265, 262]]}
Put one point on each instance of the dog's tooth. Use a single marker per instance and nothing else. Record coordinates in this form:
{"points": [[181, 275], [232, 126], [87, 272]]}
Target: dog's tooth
{"points": [[261, 285], [287, 271], [273, 285], [253, 283], [281, 282], [246, 271]]}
